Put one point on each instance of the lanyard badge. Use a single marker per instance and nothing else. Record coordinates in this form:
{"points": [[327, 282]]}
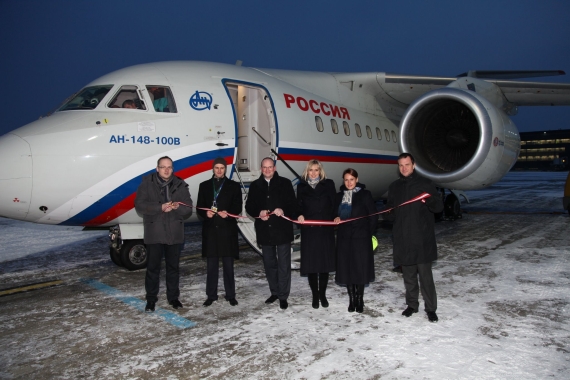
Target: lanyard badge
{"points": [[214, 207]]}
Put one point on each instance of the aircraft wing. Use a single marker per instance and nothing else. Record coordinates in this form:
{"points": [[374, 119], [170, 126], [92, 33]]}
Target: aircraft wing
{"points": [[523, 93], [401, 90]]}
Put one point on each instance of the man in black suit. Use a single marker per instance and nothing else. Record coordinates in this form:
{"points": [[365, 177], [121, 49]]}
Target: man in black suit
{"points": [[414, 237], [219, 231], [273, 194]]}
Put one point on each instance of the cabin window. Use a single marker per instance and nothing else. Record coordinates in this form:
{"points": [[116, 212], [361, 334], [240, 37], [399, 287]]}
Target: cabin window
{"points": [[346, 128], [394, 137], [127, 97], [378, 133], [86, 99], [161, 99], [319, 123], [334, 126], [387, 134], [368, 132], [358, 131]]}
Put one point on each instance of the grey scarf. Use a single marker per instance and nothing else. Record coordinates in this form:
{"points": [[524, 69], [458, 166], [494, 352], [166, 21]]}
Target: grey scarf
{"points": [[164, 188], [347, 197], [313, 182]]}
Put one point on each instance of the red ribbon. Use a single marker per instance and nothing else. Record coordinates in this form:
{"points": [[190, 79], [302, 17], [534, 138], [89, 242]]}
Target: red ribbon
{"points": [[422, 197]]}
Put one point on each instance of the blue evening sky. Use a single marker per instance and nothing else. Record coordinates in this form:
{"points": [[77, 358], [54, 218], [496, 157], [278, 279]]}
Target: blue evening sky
{"points": [[50, 49]]}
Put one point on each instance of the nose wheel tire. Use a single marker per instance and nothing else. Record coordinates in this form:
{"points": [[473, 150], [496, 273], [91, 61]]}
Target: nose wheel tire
{"points": [[133, 254], [115, 256]]}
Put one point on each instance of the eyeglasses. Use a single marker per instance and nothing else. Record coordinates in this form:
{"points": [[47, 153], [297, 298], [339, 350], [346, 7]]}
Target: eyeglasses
{"points": [[165, 167]]}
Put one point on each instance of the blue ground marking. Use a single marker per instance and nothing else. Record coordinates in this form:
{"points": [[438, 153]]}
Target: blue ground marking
{"points": [[172, 318]]}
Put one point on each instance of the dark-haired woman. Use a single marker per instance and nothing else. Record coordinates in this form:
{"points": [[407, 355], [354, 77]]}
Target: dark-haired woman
{"points": [[355, 259], [315, 195]]}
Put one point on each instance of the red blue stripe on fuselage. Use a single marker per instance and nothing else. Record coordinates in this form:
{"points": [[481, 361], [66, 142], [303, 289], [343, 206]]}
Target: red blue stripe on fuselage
{"points": [[122, 199]]}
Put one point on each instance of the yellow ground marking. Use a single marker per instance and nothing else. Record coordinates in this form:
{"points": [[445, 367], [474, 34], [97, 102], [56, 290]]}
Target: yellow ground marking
{"points": [[27, 288]]}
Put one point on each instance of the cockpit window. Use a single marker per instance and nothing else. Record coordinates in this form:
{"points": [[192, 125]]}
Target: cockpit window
{"points": [[162, 99], [86, 99], [127, 97]]}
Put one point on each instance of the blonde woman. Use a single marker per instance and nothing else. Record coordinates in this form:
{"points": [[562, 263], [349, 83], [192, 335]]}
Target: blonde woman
{"points": [[316, 196]]}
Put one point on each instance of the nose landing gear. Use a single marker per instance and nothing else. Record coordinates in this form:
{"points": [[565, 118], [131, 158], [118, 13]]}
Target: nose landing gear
{"points": [[130, 254]]}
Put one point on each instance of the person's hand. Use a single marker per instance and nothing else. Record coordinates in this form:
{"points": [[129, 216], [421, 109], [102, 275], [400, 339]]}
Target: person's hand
{"points": [[167, 207], [278, 212], [210, 214], [337, 220], [175, 205], [263, 215], [223, 214], [301, 219]]}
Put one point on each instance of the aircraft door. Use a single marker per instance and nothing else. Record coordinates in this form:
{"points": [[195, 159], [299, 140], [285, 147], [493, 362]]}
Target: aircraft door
{"points": [[256, 129], [257, 135]]}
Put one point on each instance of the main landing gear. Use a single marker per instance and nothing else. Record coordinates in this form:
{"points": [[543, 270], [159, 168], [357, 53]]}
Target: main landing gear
{"points": [[451, 205]]}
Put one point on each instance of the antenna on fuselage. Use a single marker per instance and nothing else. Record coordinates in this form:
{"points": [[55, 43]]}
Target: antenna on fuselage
{"points": [[239, 62]]}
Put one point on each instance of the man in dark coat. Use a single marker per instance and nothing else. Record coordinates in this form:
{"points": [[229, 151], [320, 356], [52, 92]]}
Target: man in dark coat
{"points": [[219, 231], [158, 200], [272, 194], [414, 236]]}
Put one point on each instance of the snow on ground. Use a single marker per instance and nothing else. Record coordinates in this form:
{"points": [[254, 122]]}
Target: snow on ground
{"points": [[502, 280], [19, 239]]}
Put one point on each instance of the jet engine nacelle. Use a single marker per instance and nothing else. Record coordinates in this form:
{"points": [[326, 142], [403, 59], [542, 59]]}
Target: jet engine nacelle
{"points": [[459, 139]]}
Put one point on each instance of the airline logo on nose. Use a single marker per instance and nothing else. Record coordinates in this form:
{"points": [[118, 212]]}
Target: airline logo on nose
{"points": [[317, 107], [201, 101]]}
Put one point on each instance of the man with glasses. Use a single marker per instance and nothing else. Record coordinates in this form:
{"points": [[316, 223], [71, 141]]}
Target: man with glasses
{"points": [[271, 196], [158, 200]]}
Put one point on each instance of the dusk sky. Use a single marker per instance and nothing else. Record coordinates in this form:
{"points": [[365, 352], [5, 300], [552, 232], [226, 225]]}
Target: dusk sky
{"points": [[50, 49]]}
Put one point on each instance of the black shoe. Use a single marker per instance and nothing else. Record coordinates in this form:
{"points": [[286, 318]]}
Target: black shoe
{"points": [[233, 301], [208, 302], [283, 304], [432, 316], [359, 304], [271, 299], [175, 304], [397, 269], [408, 312], [324, 301], [149, 306], [315, 301]]}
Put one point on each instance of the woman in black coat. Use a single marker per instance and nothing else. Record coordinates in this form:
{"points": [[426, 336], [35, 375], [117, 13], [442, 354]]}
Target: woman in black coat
{"points": [[315, 195], [219, 230], [355, 259]]}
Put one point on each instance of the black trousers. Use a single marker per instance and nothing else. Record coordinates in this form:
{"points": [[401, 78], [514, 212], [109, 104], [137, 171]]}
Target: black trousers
{"points": [[277, 263], [171, 255], [411, 274], [212, 274]]}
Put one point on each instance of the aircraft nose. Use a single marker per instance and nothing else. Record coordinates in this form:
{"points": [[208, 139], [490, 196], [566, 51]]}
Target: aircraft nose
{"points": [[15, 177]]}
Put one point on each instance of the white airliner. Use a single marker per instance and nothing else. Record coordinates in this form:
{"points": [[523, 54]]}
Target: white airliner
{"points": [[83, 163]]}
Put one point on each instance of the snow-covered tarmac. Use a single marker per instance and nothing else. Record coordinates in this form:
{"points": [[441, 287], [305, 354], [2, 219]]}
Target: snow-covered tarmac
{"points": [[502, 280]]}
